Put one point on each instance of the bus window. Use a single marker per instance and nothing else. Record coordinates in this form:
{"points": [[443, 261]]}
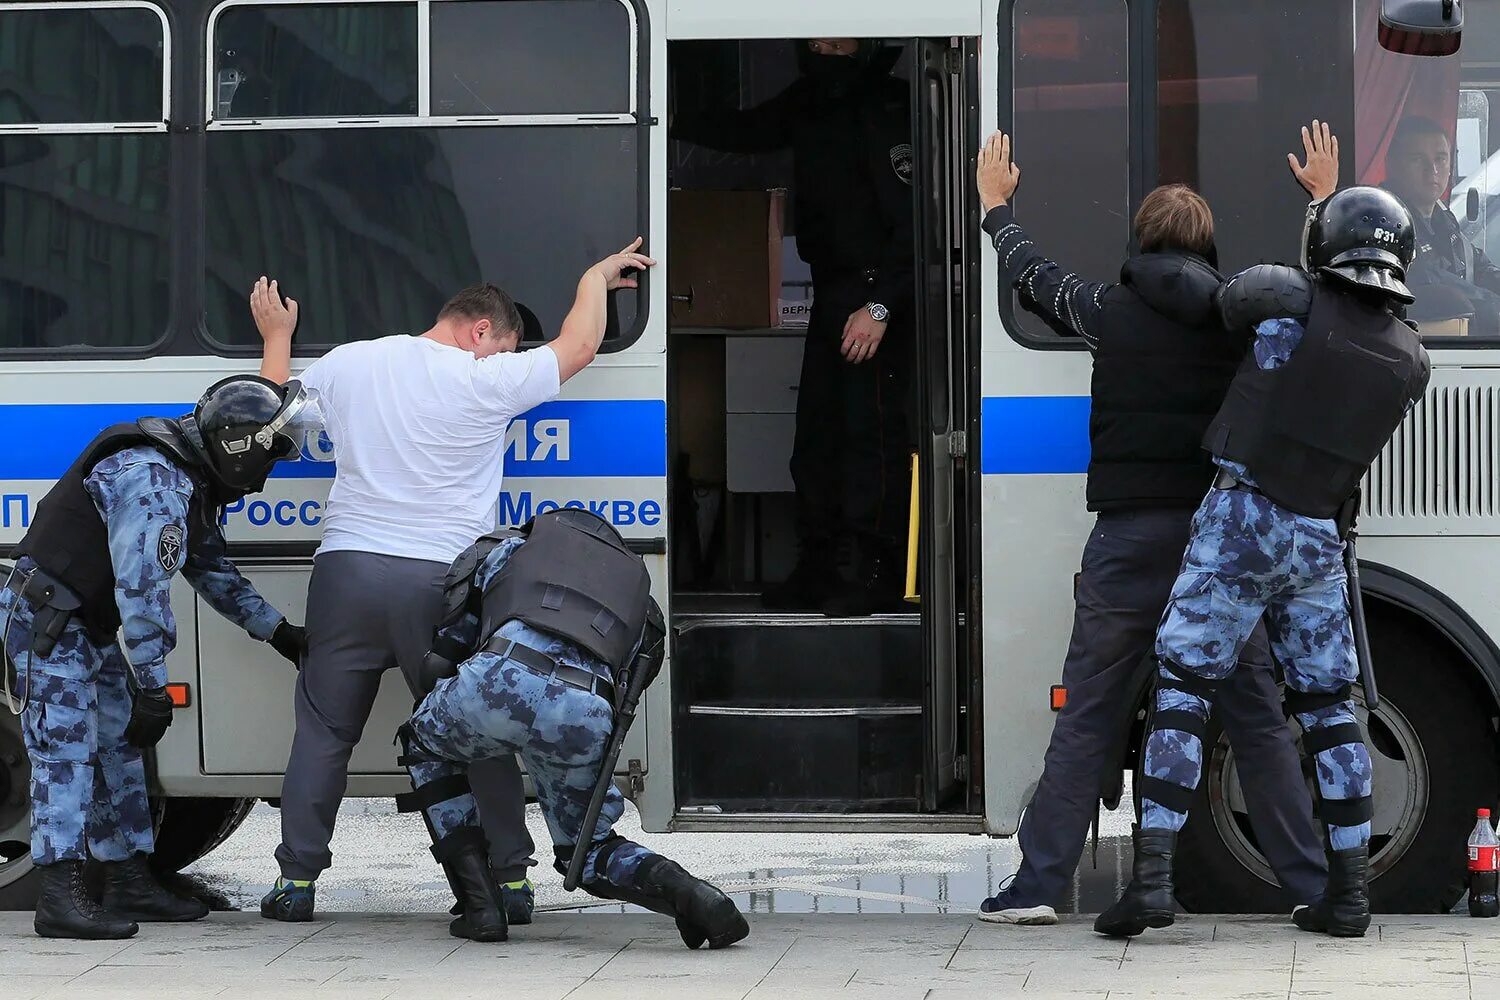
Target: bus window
{"points": [[1071, 129], [320, 60], [496, 172], [83, 177], [576, 59]]}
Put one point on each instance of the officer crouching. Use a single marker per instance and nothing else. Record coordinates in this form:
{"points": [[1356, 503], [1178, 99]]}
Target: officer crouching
{"points": [[543, 622], [94, 571], [1332, 373]]}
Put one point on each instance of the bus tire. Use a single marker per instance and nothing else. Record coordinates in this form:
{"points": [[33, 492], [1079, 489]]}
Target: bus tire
{"points": [[1434, 753], [189, 828]]}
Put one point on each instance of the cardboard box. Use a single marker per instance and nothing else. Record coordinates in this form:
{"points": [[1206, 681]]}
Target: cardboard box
{"points": [[1445, 328], [724, 262]]}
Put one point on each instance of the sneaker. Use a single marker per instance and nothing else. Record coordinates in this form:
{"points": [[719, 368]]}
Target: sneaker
{"points": [[519, 899], [1002, 909], [290, 900]]}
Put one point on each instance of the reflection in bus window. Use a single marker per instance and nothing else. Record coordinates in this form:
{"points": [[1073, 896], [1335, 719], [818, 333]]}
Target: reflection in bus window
{"points": [[315, 61], [1072, 135], [79, 65], [1424, 134], [83, 179], [372, 229], [532, 57]]}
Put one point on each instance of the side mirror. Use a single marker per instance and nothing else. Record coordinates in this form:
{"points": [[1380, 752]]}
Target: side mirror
{"points": [[1421, 27], [1471, 205]]}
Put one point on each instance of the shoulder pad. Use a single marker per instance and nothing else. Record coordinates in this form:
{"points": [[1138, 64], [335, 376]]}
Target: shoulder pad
{"points": [[1265, 291]]}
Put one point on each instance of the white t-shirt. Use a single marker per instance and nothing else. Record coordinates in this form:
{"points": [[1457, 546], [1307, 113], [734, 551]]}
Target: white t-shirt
{"points": [[418, 432]]}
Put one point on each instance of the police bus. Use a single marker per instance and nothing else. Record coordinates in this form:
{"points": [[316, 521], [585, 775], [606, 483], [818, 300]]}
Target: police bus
{"points": [[157, 156]]}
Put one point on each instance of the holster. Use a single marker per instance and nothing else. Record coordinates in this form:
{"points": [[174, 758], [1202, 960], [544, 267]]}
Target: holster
{"points": [[53, 605]]}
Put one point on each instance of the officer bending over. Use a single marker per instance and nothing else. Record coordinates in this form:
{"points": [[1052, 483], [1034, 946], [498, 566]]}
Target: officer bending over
{"points": [[142, 502], [1333, 372], [543, 622]]}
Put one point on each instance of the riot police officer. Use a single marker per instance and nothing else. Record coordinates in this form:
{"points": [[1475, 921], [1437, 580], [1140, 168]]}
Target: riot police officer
{"points": [[848, 124], [88, 610], [543, 622], [1332, 372]]}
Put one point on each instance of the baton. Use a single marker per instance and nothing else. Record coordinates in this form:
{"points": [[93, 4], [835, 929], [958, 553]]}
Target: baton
{"points": [[1357, 623], [624, 716]]}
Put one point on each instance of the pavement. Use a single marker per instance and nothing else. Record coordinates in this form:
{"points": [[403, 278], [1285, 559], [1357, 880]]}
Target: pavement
{"points": [[240, 956]]}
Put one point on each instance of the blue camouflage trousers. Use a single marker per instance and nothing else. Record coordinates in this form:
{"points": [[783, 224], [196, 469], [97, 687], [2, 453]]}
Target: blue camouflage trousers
{"points": [[1249, 557], [494, 707], [88, 786]]}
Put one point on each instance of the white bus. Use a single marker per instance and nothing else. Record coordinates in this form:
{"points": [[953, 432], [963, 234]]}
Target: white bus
{"points": [[157, 156]]}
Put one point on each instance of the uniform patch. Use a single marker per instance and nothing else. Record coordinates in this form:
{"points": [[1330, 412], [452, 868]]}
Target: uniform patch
{"points": [[901, 161], [169, 548]]}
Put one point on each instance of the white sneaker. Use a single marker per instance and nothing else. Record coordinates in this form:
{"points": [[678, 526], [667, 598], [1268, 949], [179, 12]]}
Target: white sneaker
{"points": [[1027, 916]]}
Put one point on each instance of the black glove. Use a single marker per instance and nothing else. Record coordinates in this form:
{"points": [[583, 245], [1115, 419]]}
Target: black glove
{"points": [[150, 715], [290, 641]]}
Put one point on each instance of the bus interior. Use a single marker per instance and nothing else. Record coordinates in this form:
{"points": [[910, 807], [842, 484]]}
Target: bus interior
{"points": [[781, 712]]}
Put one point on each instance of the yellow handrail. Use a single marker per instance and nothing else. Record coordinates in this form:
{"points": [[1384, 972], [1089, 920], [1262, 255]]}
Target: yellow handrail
{"points": [[913, 524]]}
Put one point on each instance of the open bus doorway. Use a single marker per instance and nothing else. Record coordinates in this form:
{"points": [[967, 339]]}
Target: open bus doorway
{"points": [[794, 711]]}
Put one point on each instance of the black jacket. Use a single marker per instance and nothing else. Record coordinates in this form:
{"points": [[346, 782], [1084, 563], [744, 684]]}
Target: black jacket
{"points": [[1162, 364]]}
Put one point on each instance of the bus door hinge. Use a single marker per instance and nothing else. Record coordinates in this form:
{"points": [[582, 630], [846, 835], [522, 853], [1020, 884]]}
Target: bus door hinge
{"points": [[636, 778], [958, 444]]}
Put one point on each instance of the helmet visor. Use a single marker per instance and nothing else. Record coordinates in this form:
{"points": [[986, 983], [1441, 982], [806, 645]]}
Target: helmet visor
{"points": [[299, 415]]}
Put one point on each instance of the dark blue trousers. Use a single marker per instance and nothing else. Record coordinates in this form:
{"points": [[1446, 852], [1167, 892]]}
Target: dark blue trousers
{"points": [[1129, 564]]}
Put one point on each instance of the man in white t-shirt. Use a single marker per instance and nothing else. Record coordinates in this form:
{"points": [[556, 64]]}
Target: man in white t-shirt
{"points": [[418, 429]]}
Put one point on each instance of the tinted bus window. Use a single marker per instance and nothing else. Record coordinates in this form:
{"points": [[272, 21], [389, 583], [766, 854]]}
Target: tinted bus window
{"points": [[1072, 136], [531, 57], [80, 66], [315, 61], [371, 230]]}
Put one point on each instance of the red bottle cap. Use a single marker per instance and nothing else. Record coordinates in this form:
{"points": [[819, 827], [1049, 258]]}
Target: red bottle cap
{"points": [[1484, 814]]}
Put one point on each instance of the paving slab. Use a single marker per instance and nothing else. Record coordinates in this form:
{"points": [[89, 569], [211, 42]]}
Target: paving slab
{"points": [[615, 956]]}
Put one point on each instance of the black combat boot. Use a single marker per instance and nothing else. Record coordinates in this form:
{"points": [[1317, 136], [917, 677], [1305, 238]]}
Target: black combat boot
{"points": [[64, 908], [131, 891], [466, 862], [702, 910], [812, 581], [1344, 910], [1147, 900], [879, 585]]}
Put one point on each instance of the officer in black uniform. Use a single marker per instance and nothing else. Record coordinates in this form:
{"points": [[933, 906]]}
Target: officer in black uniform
{"points": [[88, 609], [848, 124]]}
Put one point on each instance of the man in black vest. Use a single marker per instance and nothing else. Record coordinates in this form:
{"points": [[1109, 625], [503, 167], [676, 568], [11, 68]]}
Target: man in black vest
{"points": [[1162, 363], [1332, 373], [94, 573], [539, 626]]}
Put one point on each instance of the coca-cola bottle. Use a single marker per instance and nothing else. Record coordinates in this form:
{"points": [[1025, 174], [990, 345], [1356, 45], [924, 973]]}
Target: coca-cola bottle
{"points": [[1484, 869]]}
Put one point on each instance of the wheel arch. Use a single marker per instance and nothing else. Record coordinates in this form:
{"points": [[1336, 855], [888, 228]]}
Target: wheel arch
{"points": [[1440, 614]]}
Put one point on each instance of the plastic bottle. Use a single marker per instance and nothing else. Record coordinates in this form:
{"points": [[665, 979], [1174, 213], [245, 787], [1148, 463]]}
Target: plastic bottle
{"points": [[1484, 869]]}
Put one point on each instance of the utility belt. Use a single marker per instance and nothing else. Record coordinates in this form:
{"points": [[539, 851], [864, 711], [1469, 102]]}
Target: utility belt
{"points": [[543, 665], [53, 605], [1344, 520]]}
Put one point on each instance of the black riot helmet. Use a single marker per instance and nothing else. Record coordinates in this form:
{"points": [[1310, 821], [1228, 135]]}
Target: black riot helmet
{"points": [[1363, 236], [245, 424]]}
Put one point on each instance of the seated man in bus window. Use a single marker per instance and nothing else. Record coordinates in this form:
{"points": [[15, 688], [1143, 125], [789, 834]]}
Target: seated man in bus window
{"points": [[1418, 169], [1162, 363]]}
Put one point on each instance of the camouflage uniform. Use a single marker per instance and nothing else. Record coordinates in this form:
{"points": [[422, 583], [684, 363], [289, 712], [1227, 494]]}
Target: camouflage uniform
{"points": [[1249, 557], [88, 786], [492, 707]]}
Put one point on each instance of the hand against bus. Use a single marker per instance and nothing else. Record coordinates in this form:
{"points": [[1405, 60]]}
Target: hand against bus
{"points": [[862, 333], [614, 267], [274, 320], [1319, 173], [998, 176]]}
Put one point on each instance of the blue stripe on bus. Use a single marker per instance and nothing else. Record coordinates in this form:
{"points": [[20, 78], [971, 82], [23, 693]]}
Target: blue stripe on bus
{"points": [[1034, 435], [600, 438]]}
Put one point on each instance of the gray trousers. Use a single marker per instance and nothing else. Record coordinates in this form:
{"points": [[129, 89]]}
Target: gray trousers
{"points": [[1129, 565], [366, 613]]}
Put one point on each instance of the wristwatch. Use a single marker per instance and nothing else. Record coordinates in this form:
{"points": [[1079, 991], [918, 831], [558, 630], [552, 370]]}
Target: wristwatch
{"points": [[878, 312]]}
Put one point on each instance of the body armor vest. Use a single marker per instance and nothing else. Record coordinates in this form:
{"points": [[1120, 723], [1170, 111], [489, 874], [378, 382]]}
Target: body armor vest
{"points": [[69, 539], [1308, 431], [575, 578]]}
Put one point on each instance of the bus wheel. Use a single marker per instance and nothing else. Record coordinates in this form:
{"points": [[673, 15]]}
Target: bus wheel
{"points": [[1433, 750], [18, 880], [189, 828]]}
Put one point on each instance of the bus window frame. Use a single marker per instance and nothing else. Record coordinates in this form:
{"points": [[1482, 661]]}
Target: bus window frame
{"points": [[638, 97], [1140, 104], [91, 352]]}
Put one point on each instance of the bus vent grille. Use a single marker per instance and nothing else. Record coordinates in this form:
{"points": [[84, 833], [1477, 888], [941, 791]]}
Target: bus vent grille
{"points": [[1443, 460]]}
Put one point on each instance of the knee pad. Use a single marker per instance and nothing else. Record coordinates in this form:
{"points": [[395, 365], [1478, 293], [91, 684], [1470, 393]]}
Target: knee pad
{"points": [[1300, 702], [1184, 680], [412, 749]]}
